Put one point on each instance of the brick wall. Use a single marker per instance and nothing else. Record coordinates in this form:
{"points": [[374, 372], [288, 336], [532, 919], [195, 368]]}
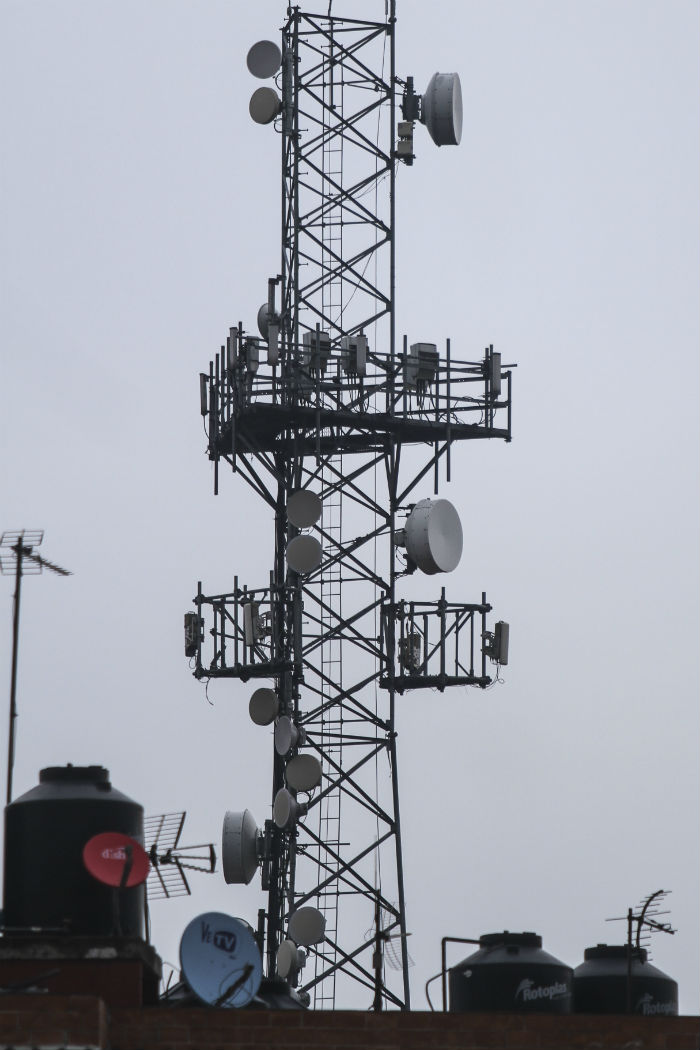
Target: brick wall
{"points": [[43, 1021]]}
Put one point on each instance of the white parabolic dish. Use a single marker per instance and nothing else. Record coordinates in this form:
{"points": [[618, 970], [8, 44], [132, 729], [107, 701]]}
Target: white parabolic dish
{"points": [[434, 536], [239, 853], [220, 960]]}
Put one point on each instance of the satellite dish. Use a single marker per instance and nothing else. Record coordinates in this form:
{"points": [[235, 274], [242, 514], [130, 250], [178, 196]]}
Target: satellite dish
{"points": [[287, 735], [304, 554], [441, 109], [286, 810], [290, 959], [264, 105], [263, 707], [304, 508], [107, 856], [307, 926], [303, 773], [239, 847], [433, 536], [264, 59], [264, 319], [220, 960]]}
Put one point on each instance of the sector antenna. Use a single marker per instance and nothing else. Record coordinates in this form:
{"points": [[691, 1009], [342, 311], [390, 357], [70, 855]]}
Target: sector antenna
{"points": [[344, 432]]}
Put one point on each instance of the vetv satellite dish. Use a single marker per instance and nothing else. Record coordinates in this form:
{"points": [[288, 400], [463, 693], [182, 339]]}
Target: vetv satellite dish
{"points": [[220, 960], [433, 536], [107, 857]]}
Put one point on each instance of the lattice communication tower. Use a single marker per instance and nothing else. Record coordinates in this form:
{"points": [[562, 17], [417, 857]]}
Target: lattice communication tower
{"points": [[314, 414]]}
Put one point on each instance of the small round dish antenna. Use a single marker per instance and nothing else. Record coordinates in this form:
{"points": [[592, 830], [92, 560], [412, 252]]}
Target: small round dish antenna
{"points": [[264, 105], [115, 859], [304, 554], [264, 59], [287, 735], [290, 959], [264, 320], [239, 847], [286, 810], [441, 109], [263, 706], [433, 535], [220, 960], [303, 508], [307, 926], [303, 772]]}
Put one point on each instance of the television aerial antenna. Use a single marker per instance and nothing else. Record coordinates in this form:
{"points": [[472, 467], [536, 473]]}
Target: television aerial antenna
{"points": [[646, 920], [169, 859], [18, 559]]}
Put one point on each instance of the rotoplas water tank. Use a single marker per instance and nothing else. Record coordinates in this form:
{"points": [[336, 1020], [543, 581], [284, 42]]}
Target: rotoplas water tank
{"points": [[600, 983], [46, 885], [511, 973]]}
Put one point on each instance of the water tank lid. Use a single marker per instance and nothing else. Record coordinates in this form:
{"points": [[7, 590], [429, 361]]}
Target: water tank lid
{"points": [[614, 951], [70, 773], [522, 940]]}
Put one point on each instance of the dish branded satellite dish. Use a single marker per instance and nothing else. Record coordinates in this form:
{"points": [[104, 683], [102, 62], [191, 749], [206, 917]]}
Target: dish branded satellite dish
{"points": [[304, 508], [433, 536], [239, 847], [304, 554], [264, 59], [264, 706], [441, 109], [307, 926], [220, 960], [111, 855], [303, 772]]}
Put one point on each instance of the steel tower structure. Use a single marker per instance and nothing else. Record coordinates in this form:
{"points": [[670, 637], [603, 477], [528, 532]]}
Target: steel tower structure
{"points": [[325, 403]]}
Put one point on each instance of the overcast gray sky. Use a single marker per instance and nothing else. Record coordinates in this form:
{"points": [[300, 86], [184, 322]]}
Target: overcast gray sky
{"points": [[140, 218]]}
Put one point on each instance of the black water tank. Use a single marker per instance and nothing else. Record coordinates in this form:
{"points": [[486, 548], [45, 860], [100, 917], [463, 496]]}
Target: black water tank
{"points": [[46, 884], [600, 983], [510, 972]]}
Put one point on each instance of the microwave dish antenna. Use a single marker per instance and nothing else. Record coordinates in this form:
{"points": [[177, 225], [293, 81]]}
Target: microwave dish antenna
{"points": [[433, 536], [265, 104], [303, 772], [304, 508], [220, 960], [441, 109], [304, 554], [307, 926], [264, 59], [240, 847], [264, 706]]}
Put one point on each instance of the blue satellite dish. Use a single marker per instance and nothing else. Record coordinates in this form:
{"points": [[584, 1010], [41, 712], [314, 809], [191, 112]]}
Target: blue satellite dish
{"points": [[220, 960]]}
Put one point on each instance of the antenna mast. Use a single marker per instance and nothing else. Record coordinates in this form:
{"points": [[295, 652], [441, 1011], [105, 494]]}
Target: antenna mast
{"points": [[316, 428]]}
